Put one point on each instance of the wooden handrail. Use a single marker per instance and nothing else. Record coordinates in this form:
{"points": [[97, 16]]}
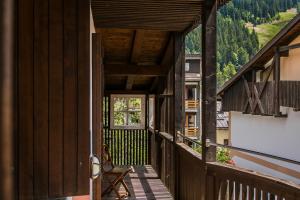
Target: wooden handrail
{"points": [[250, 182]]}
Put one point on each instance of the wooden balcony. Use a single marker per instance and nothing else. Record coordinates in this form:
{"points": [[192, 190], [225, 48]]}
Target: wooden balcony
{"points": [[212, 181], [191, 104], [157, 177], [143, 183], [191, 131]]}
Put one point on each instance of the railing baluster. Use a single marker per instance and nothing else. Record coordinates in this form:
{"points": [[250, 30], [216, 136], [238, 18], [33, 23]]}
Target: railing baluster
{"points": [[130, 148], [244, 192], [237, 190], [264, 195], [223, 189], [257, 194], [138, 148], [145, 147], [217, 187], [127, 146], [231, 185], [122, 153], [141, 147]]}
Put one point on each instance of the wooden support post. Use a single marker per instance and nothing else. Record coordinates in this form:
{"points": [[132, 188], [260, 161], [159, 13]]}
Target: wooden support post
{"points": [[209, 80], [179, 60], [198, 97], [179, 105], [97, 106], [276, 83], [6, 99]]}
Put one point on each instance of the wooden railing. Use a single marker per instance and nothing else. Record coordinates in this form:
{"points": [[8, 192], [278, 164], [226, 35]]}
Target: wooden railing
{"points": [[191, 104], [230, 182], [191, 131], [162, 158], [192, 179], [128, 147]]}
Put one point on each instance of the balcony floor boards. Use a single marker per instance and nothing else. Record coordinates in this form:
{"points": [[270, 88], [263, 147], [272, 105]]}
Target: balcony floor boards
{"points": [[143, 184]]}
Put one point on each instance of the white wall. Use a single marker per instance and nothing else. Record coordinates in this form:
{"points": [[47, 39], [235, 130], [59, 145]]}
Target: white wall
{"points": [[267, 134]]}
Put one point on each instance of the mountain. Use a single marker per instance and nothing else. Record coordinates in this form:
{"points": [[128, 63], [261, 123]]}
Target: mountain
{"points": [[241, 32], [267, 31]]}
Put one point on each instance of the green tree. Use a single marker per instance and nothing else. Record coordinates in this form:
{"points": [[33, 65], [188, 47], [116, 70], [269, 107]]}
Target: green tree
{"points": [[229, 71], [243, 56]]}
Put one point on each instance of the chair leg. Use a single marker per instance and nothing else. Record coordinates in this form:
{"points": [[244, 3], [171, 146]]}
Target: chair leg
{"points": [[117, 192], [126, 187]]}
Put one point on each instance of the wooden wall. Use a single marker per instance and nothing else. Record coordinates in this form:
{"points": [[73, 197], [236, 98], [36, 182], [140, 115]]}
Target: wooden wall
{"points": [[288, 96], [53, 98], [191, 173], [7, 13]]}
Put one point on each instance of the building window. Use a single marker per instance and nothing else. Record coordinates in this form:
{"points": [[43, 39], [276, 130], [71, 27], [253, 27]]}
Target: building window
{"points": [[127, 112], [190, 120], [187, 66], [226, 142]]}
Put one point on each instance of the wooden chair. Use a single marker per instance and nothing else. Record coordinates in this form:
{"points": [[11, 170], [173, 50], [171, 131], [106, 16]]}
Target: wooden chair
{"points": [[116, 173]]}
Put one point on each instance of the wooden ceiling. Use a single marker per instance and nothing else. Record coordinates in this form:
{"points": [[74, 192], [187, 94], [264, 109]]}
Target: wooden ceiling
{"points": [[140, 47], [136, 36], [132, 58], [167, 15]]}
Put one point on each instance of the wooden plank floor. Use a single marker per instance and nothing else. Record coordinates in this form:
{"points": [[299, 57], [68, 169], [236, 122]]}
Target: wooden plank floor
{"points": [[143, 184]]}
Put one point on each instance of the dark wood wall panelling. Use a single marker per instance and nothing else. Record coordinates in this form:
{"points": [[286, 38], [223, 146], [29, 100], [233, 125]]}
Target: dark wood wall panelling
{"points": [[289, 94], [53, 98], [7, 13], [97, 104]]}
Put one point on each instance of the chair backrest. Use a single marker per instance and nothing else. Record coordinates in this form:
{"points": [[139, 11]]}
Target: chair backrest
{"points": [[107, 163]]}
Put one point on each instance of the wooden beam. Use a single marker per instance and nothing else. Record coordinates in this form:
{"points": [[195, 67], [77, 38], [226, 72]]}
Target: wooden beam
{"points": [[6, 102], [97, 107], [129, 82], [136, 49], [276, 80], [257, 97], [165, 58], [249, 102], [108, 92], [264, 86], [290, 47], [133, 70], [155, 83], [179, 72], [209, 86], [179, 105]]}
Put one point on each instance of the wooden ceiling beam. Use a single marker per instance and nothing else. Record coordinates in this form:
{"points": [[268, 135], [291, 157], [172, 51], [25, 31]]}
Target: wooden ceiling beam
{"points": [[136, 49], [133, 70], [129, 82], [166, 58], [155, 83]]}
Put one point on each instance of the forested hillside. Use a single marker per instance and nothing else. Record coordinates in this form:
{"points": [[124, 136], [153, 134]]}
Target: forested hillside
{"points": [[257, 11], [237, 43]]}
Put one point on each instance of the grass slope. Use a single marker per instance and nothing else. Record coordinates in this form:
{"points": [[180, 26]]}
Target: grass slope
{"points": [[267, 31]]}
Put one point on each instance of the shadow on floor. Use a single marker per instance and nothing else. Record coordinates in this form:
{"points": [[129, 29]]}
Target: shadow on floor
{"points": [[143, 184]]}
